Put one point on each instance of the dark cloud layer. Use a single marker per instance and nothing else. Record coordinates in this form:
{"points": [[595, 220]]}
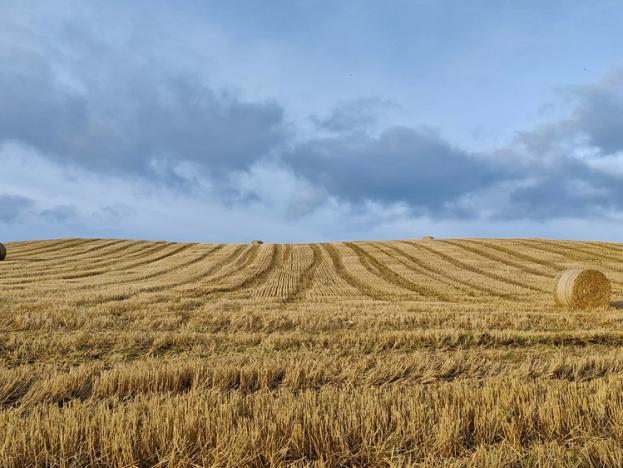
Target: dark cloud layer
{"points": [[599, 115], [595, 122], [134, 121], [591, 195], [407, 165], [88, 104], [565, 183]]}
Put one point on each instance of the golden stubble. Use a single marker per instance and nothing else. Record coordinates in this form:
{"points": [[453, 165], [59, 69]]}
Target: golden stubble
{"points": [[452, 352]]}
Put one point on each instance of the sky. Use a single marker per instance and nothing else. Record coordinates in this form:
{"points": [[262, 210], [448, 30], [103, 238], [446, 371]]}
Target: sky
{"points": [[310, 121]]}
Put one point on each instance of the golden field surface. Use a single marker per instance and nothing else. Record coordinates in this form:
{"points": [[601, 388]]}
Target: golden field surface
{"points": [[435, 352]]}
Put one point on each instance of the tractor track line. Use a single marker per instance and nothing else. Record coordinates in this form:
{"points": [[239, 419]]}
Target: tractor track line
{"points": [[435, 272], [497, 258], [551, 265], [50, 262], [343, 273], [238, 253], [56, 247], [376, 267], [305, 282], [473, 269], [93, 269], [575, 254], [276, 257]]}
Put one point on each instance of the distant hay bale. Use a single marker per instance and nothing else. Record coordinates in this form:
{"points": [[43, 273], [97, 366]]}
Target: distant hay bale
{"points": [[427, 238], [2, 252], [582, 288], [256, 242]]}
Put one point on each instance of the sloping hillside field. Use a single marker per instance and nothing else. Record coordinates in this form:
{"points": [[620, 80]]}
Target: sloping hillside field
{"points": [[124, 353]]}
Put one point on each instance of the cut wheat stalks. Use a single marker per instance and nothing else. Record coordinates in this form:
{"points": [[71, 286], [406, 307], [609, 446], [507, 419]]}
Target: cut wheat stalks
{"points": [[333, 354], [582, 288]]}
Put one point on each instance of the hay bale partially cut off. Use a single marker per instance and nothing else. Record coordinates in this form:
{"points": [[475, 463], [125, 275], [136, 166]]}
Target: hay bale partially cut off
{"points": [[582, 288], [256, 242], [427, 238], [2, 252]]}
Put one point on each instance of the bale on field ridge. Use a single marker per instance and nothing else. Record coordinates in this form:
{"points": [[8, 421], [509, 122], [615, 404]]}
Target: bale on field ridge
{"points": [[2, 252], [256, 242], [428, 238], [582, 288]]}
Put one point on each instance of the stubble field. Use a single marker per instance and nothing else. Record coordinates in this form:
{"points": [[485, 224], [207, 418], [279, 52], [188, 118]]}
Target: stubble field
{"points": [[126, 353]]}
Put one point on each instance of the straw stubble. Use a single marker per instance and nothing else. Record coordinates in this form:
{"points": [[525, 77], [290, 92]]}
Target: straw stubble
{"points": [[414, 353]]}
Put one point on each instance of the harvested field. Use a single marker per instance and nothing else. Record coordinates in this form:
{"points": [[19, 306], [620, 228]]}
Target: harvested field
{"points": [[124, 353]]}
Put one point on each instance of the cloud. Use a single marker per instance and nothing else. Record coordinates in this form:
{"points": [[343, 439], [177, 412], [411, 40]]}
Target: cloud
{"points": [[592, 127], [79, 99], [139, 117], [356, 115], [401, 165], [599, 114], [570, 168], [13, 206], [304, 200], [573, 166], [555, 198]]}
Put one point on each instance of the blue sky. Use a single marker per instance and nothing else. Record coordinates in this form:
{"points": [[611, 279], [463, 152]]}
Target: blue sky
{"points": [[295, 121]]}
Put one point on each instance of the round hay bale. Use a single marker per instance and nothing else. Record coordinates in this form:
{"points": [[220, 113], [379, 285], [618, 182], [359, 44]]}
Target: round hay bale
{"points": [[582, 288], [256, 242], [427, 238], [2, 252]]}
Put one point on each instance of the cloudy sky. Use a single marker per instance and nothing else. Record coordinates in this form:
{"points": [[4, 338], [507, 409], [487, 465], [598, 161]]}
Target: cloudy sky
{"points": [[315, 120]]}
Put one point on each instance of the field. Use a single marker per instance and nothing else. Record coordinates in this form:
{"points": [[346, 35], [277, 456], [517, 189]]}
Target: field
{"points": [[126, 353]]}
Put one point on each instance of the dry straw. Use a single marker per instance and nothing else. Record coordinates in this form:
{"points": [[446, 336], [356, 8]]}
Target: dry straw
{"points": [[582, 288], [2, 252], [256, 242]]}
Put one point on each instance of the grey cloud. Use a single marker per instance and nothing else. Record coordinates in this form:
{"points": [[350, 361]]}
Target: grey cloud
{"points": [[432, 177], [35, 109], [353, 115], [595, 121], [140, 118], [91, 105], [304, 201], [564, 184], [569, 188], [143, 120], [13, 206], [554, 198], [414, 166], [599, 115]]}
